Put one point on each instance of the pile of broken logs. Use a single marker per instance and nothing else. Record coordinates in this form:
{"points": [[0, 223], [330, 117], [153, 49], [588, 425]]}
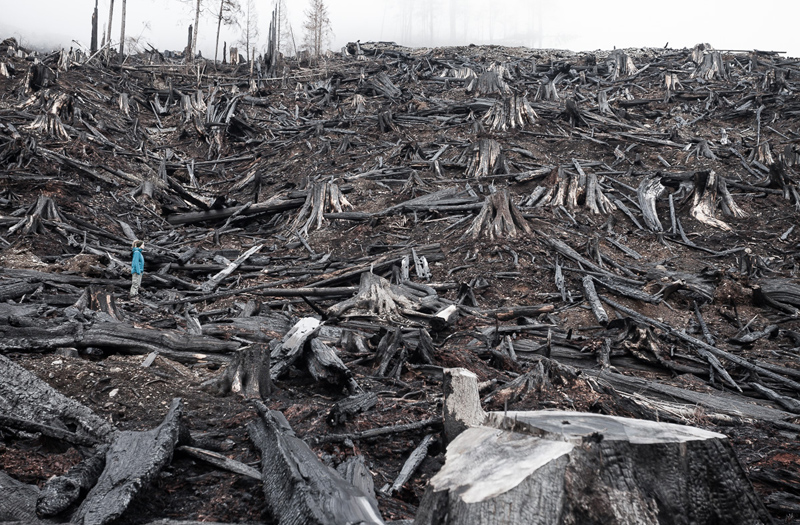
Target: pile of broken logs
{"points": [[610, 234]]}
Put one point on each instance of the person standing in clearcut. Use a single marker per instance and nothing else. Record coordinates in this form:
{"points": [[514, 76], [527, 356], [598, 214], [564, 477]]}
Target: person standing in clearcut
{"points": [[137, 267]]}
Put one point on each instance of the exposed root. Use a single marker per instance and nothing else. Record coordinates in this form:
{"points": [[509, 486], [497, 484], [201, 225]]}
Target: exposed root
{"points": [[322, 197], [499, 218], [50, 123], [45, 209], [375, 297], [510, 112]]}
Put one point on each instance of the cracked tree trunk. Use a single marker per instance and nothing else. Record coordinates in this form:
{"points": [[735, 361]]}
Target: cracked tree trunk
{"points": [[132, 462], [30, 398], [299, 488], [486, 158]]}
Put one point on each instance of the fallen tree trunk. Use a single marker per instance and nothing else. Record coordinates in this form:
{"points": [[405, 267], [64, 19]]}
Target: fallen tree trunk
{"points": [[60, 492], [113, 336], [299, 488], [30, 398], [134, 459]]}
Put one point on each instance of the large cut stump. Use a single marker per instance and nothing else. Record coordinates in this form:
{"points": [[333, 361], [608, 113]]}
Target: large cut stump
{"points": [[299, 488], [134, 459], [554, 467]]}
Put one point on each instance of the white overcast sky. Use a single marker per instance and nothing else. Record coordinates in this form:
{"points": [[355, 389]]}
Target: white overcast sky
{"points": [[578, 25]]}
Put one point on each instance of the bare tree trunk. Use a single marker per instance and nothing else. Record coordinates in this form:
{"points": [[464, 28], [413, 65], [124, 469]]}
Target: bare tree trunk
{"points": [[110, 19], [278, 26], [122, 32], [196, 28], [219, 26], [93, 48]]}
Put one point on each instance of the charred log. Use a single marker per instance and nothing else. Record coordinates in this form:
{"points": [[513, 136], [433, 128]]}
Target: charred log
{"points": [[298, 487]]}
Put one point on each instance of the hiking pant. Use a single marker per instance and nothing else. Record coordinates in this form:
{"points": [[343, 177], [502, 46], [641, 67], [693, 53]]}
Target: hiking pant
{"points": [[137, 282]]}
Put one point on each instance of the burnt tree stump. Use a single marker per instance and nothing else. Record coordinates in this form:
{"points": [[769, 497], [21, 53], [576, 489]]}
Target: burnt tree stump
{"points": [[247, 375]]}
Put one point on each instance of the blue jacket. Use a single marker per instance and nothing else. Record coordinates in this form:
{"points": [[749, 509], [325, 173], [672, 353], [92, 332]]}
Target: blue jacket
{"points": [[137, 264]]}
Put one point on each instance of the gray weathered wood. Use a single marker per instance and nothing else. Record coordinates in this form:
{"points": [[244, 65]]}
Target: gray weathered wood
{"points": [[552, 467]]}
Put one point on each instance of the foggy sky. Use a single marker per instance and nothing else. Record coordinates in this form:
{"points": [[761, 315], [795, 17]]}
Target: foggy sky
{"points": [[577, 25]]}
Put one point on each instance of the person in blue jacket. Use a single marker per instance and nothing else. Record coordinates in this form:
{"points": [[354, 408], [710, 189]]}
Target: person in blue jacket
{"points": [[137, 267]]}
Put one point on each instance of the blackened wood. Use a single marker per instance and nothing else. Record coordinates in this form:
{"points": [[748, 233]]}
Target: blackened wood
{"points": [[354, 470], [247, 374], [513, 312], [255, 209], [414, 460], [60, 492], [18, 504], [350, 406], [113, 336], [220, 461], [28, 397], [46, 430], [289, 350], [132, 462], [435, 422], [788, 403], [299, 488], [17, 289], [324, 365]]}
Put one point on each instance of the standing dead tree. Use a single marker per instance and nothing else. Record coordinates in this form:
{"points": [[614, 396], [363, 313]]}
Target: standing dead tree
{"points": [[122, 31], [317, 28], [229, 11], [250, 31]]}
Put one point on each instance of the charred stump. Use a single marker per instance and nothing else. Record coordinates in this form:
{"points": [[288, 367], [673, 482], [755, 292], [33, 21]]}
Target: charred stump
{"points": [[499, 218], [247, 375]]}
